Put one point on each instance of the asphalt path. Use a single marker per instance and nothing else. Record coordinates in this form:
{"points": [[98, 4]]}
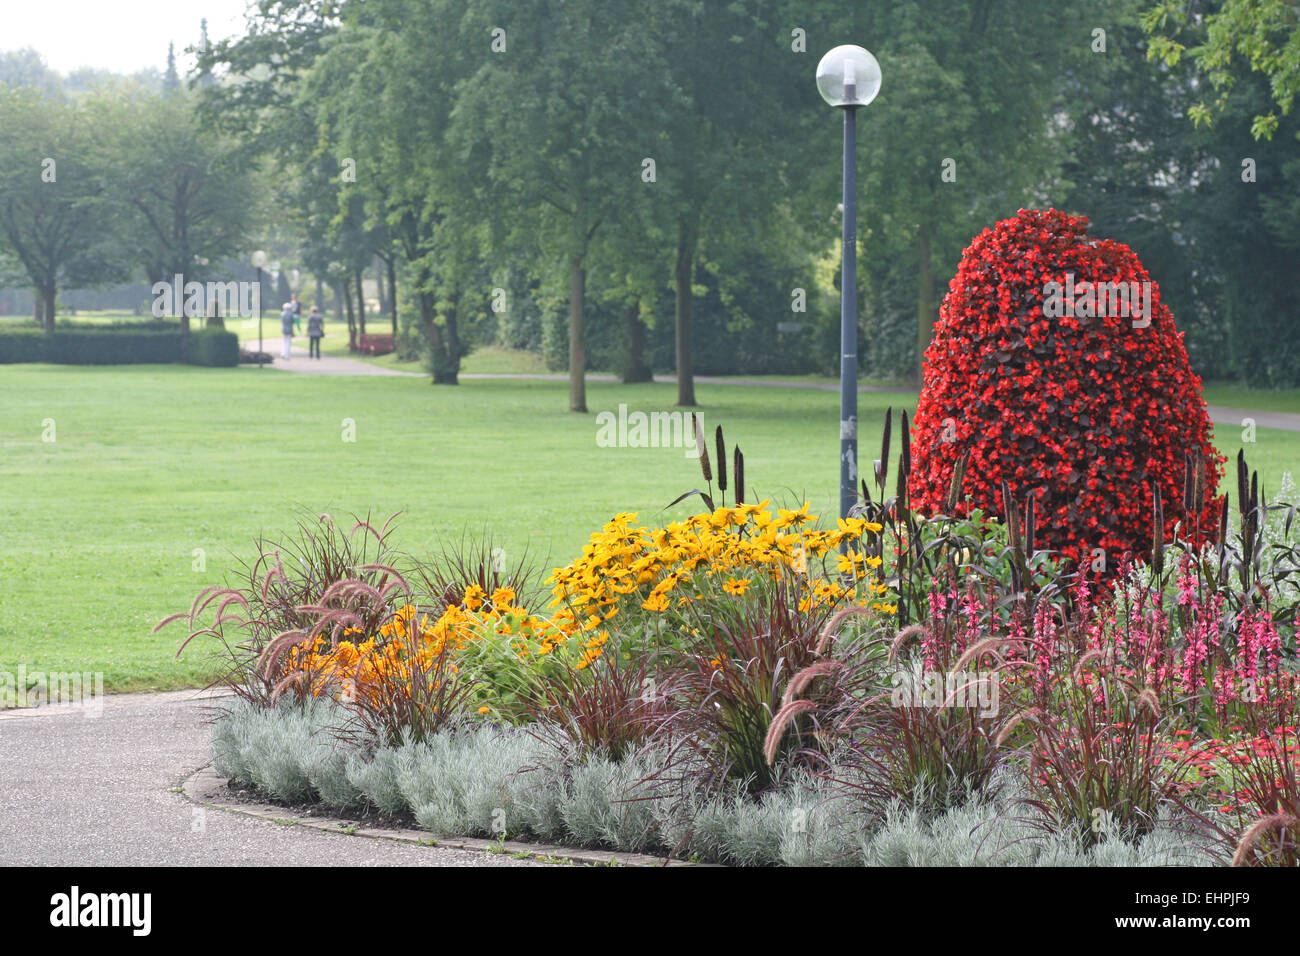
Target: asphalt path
{"points": [[77, 790]]}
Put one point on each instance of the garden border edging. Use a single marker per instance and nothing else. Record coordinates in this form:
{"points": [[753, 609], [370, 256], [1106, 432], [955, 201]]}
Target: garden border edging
{"points": [[203, 788]]}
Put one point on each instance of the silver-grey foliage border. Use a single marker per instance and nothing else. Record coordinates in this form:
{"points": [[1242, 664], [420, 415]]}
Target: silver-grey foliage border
{"points": [[474, 781]]}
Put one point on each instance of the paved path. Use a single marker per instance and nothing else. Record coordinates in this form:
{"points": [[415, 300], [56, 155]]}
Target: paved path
{"points": [[83, 791], [1283, 421], [338, 365], [300, 361]]}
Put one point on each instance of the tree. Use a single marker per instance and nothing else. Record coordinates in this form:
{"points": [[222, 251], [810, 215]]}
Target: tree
{"points": [[558, 108], [52, 204], [171, 79], [1213, 210], [1265, 33], [205, 77], [720, 169], [1246, 225], [1135, 167], [27, 68], [183, 198], [383, 94], [263, 70]]}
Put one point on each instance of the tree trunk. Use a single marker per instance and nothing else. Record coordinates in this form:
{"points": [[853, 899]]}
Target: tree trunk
{"points": [[577, 343], [392, 290], [380, 285], [352, 320], [924, 300], [38, 311], [682, 275], [636, 368], [449, 372], [361, 302], [48, 295], [432, 335]]}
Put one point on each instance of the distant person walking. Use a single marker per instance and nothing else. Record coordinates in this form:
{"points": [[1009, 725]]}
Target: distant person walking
{"points": [[286, 328], [315, 331], [297, 311]]}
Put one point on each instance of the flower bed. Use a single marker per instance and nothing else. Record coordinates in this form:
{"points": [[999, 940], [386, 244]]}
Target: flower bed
{"points": [[731, 687]]}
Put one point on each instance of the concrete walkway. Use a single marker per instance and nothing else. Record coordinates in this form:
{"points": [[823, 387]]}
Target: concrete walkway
{"points": [[77, 790], [1283, 421], [300, 360]]}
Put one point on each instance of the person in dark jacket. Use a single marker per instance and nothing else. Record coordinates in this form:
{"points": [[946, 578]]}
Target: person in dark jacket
{"points": [[315, 331]]}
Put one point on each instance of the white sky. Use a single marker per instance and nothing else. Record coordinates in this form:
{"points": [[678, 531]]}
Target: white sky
{"points": [[119, 35]]}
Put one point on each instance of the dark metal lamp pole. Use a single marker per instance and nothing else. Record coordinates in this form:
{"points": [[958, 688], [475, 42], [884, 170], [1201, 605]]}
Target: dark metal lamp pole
{"points": [[848, 78], [849, 320]]}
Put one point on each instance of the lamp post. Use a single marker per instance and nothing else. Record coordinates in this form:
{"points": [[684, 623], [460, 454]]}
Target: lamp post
{"points": [[275, 283], [259, 261], [848, 77]]}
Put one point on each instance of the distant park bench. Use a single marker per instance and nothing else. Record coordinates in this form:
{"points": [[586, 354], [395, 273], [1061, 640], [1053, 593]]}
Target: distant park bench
{"points": [[375, 344]]}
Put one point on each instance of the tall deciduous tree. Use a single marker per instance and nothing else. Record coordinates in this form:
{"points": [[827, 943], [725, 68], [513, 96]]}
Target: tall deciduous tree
{"points": [[725, 137], [560, 99], [183, 198], [52, 197], [383, 95], [26, 67]]}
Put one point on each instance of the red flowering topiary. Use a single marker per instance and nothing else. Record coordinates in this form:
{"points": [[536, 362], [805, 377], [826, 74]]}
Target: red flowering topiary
{"points": [[1085, 405]]}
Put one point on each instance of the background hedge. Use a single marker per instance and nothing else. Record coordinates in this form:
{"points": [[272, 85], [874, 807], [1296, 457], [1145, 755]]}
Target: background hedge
{"points": [[22, 345], [117, 346]]}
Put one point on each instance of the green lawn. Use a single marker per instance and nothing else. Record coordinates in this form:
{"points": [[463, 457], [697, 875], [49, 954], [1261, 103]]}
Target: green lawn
{"points": [[1237, 396], [488, 359], [153, 462]]}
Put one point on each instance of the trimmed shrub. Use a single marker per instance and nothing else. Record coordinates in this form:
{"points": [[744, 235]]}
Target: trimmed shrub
{"points": [[133, 325], [90, 347], [119, 345], [1082, 405], [22, 345], [213, 346], [113, 347]]}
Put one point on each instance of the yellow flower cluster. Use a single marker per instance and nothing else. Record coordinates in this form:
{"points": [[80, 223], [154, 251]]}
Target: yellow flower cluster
{"points": [[664, 567], [357, 667], [657, 569]]}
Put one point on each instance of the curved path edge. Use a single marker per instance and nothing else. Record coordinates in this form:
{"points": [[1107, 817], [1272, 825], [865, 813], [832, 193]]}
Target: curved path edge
{"points": [[206, 788]]}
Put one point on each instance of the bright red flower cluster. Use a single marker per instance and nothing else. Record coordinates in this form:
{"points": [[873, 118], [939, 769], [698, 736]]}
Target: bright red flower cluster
{"points": [[1087, 405]]}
